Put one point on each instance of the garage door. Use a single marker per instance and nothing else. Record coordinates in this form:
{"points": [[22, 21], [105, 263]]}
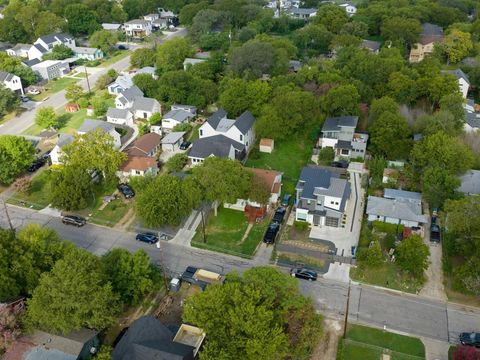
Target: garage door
{"points": [[330, 221]]}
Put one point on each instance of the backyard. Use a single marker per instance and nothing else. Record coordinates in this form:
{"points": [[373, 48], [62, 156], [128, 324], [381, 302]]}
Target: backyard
{"points": [[225, 232], [364, 343]]}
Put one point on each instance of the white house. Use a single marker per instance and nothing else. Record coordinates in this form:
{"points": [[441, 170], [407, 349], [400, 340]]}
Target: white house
{"points": [[191, 61], [176, 116], [137, 166], [92, 125], [302, 13], [51, 69], [472, 118], [463, 81], [56, 153], [172, 141], [120, 116], [87, 53], [151, 17], [125, 98], [45, 44], [122, 83], [350, 8], [12, 82], [138, 28], [144, 108], [19, 50]]}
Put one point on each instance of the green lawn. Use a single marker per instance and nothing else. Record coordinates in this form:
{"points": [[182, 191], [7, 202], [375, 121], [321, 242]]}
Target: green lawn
{"points": [[74, 121], [111, 214], [224, 233], [364, 343], [120, 54], [289, 156], [38, 196], [54, 86]]}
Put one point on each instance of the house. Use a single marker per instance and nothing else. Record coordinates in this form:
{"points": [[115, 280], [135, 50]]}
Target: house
{"points": [[350, 8], [137, 166], [397, 207], [36, 51], [119, 116], [144, 108], [266, 145], [190, 108], [390, 176], [122, 83], [160, 24], [148, 338], [78, 344], [30, 63], [87, 53], [146, 145], [111, 26], [72, 108], [12, 82], [172, 141], [470, 183], [372, 46], [302, 13], [126, 98], [218, 145], [56, 153], [4, 46], [19, 50], [51, 69], [150, 70], [472, 117], [92, 125], [176, 117], [191, 61], [138, 28], [463, 81], [45, 44], [321, 197], [431, 34], [339, 134], [151, 17], [294, 65]]}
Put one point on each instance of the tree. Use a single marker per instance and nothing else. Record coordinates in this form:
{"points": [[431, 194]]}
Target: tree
{"points": [[59, 52], [259, 316], [9, 326], [465, 353], [177, 162], [73, 92], [253, 59], [332, 17], [131, 276], [412, 255], [259, 190], [372, 255], [400, 30], [189, 11], [326, 155], [143, 57], [46, 117], [313, 39], [105, 79], [105, 353], [468, 274], [8, 100], [104, 40], [341, 100], [237, 95], [80, 20], [355, 28], [402, 87], [73, 295], [172, 53], [147, 84], [16, 154], [457, 44], [391, 136], [382, 105], [442, 120], [438, 185], [71, 188], [222, 180]]}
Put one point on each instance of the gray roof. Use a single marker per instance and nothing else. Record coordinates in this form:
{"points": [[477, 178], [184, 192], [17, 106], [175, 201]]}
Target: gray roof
{"points": [[215, 118], [472, 119], [111, 26], [22, 47], [190, 108], [6, 76], [218, 145], [371, 45], [459, 74], [295, 64], [395, 208], [192, 61], [245, 122], [124, 81], [91, 125], [343, 144], [178, 115], [145, 104], [85, 50], [51, 38], [402, 194], [71, 343], [302, 11], [117, 113], [132, 93], [138, 21], [40, 48], [32, 62], [431, 33], [334, 123], [64, 139], [146, 70], [470, 182], [147, 339], [173, 137]]}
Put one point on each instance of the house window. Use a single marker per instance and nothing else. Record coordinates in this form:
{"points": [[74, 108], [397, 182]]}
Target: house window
{"points": [[319, 202], [344, 151], [336, 202], [301, 216], [201, 132], [241, 137], [145, 115], [137, 172]]}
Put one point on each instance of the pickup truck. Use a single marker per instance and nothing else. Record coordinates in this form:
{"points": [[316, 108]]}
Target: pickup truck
{"points": [[201, 277]]}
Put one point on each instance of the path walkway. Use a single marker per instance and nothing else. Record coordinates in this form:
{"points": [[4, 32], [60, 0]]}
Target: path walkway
{"points": [[435, 349], [263, 254], [185, 235]]}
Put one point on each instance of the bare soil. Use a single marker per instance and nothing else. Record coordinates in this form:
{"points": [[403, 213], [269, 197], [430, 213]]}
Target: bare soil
{"points": [[327, 346]]}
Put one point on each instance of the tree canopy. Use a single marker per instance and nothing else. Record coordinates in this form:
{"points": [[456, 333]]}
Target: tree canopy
{"points": [[16, 154]]}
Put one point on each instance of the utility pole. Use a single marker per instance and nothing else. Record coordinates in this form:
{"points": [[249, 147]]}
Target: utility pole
{"points": [[162, 266], [203, 224], [346, 312], [88, 82], [8, 216]]}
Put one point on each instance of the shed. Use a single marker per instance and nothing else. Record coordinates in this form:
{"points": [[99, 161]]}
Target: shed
{"points": [[266, 145], [172, 141], [71, 108]]}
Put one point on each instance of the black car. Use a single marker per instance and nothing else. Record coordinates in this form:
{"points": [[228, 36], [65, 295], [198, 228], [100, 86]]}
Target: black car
{"points": [[126, 190], [279, 215], [340, 164], [271, 233], [435, 233], [122, 47], [470, 339], [304, 273], [74, 220], [185, 145], [37, 164], [286, 199], [147, 237]]}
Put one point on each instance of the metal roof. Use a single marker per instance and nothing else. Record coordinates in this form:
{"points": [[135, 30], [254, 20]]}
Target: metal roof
{"points": [[402, 194], [178, 115], [144, 103], [118, 113], [173, 137]]}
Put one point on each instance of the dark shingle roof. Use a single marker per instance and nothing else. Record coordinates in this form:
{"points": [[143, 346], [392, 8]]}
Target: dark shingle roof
{"points": [[312, 178], [215, 118], [431, 33], [132, 93], [245, 122], [459, 74], [40, 48], [218, 145], [334, 123], [32, 62], [5, 76], [51, 38], [371, 45]]}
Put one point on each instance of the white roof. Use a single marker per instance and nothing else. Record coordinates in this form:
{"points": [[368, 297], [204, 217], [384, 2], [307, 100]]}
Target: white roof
{"points": [[110, 26], [173, 137], [396, 209]]}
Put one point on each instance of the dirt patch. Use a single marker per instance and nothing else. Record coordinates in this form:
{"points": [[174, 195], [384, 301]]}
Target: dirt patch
{"points": [[327, 346], [170, 310]]}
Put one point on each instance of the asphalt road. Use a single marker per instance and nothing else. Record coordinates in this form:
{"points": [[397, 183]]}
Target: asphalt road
{"points": [[410, 314], [21, 123]]}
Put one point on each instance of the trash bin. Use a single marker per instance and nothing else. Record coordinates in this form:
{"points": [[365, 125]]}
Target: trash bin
{"points": [[175, 284]]}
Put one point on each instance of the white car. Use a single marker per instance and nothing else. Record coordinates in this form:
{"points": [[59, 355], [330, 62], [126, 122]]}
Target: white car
{"points": [[34, 91]]}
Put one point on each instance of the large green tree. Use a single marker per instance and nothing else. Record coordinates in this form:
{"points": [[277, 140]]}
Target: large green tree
{"points": [[332, 17], [237, 95], [412, 255], [171, 54], [253, 59], [71, 188], [80, 19], [341, 100], [16, 154], [46, 117], [103, 40], [401, 30], [143, 57], [13, 65], [59, 52], [457, 44], [390, 136], [8, 100]]}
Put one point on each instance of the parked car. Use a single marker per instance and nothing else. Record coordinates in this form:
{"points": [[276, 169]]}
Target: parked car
{"points": [[435, 233], [126, 190], [33, 91], [74, 220], [122, 47], [185, 145], [340, 164], [304, 273], [470, 339], [279, 215], [271, 233], [286, 199], [37, 164], [147, 238], [46, 156], [24, 98], [434, 220]]}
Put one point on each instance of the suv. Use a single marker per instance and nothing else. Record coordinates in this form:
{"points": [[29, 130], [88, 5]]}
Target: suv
{"points": [[279, 215], [185, 145], [271, 233], [343, 164], [470, 339], [147, 238], [435, 233], [126, 190], [286, 199], [37, 164], [74, 220]]}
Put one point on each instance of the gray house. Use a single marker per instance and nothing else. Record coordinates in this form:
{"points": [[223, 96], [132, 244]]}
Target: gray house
{"points": [[218, 145], [339, 134], [175, 117], [321, 197]]}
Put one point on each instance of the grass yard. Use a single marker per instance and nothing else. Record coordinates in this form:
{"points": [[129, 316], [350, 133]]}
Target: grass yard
{"points": [[38, 196], [54, 86], [120, 54], [289, 156], [74, 121], [297, 260], [111, 214], [225, 231], [364, 343]]}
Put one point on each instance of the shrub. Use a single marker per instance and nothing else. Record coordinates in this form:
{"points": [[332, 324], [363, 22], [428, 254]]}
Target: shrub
{"points": [[301, 225], [327, 154], [177, 162], [183, 127], [384, 227]]}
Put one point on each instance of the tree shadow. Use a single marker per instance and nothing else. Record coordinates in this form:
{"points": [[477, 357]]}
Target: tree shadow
{"points": [[62, 120]]}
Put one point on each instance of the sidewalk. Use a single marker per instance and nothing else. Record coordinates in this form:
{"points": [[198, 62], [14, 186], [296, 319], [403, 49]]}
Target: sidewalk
{"points": [[185, 235]]}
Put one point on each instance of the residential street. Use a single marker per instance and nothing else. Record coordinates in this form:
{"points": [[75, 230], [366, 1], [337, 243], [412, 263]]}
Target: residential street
{"points": [[20, 123], [397, 311]]}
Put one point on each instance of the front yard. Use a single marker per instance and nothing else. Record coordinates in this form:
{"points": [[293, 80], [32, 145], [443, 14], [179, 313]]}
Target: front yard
{"points": [[53, 87], [225, 232], [112, 59], [38, 196]]}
